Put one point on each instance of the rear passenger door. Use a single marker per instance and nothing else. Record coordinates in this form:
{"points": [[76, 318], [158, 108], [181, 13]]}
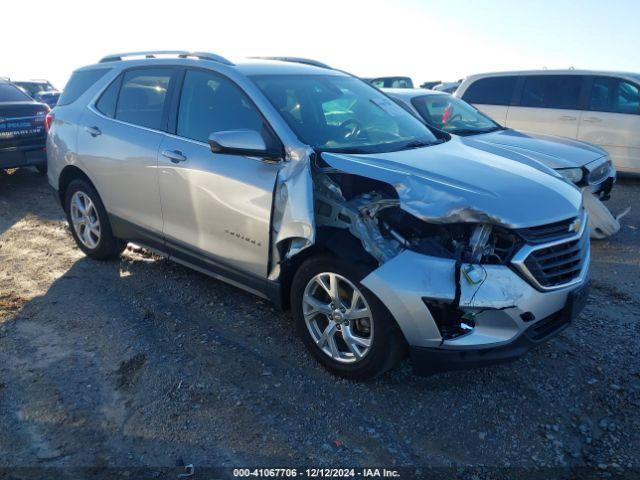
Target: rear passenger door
{"points": [[612, 120], [118, 143], [548, 104], [216, 207], [492, 96]]}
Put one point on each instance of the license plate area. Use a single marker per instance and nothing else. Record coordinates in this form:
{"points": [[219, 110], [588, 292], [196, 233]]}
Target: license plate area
{"points": [[577, 301]]}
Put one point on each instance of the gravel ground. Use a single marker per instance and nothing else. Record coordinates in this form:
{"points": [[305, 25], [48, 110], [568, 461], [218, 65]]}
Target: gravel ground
{"points": [[144, 363]]}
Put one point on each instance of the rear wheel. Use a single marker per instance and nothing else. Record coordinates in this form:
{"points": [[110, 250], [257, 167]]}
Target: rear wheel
{"points": [[342, 323], [89, 222]]}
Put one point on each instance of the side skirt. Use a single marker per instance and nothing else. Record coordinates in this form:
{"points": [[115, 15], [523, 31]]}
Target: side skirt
{"points": [[195, 259]]}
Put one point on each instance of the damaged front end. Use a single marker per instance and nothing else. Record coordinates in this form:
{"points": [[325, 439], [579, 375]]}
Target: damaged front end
{"points": [[456, 275]]}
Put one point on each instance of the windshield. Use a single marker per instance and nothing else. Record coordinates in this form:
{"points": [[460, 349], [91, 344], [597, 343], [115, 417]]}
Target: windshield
{"points": [[9, 93], [453, 115], [343, 114]]}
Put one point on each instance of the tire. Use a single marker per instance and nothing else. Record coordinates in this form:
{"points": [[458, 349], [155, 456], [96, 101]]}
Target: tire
{"points": [[386, 345], [42, 169], [97, 243]]}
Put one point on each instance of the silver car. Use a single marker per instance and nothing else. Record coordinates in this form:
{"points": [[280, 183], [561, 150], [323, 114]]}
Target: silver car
{"points": [[309, 187], [582, 163]]}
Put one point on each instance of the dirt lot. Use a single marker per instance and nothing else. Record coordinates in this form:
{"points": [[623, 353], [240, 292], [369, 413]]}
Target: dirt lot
{"points": [[142, 363]]}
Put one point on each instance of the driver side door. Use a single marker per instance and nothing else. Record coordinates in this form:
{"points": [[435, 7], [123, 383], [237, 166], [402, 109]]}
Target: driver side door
{"points": [[216, 207]]}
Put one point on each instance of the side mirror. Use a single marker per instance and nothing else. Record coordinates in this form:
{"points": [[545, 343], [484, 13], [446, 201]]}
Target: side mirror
{"points": [[241, 142]]}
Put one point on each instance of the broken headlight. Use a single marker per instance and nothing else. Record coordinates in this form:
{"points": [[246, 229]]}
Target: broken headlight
{"points": [[468, 242]]}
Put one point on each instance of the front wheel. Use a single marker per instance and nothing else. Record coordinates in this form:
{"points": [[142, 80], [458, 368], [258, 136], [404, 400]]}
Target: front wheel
{"points": [[89, 222], [342, 323]]}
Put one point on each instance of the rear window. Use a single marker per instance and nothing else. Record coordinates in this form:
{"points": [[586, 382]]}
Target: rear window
{"points": [[107, 102], [552, 91], [614, 95], [9, 93], [80, 83], [143, 96], [491, 91]]}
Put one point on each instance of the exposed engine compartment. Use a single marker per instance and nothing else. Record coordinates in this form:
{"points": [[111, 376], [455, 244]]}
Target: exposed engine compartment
{"points": [[371, 211]]}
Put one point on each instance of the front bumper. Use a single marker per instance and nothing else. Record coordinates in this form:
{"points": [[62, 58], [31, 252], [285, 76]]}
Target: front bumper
{"points": [[427, 361], [507, 310], [16, 157]]}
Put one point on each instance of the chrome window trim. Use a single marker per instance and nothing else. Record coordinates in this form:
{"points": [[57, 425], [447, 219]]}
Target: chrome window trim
{"points": [[518, 260]]}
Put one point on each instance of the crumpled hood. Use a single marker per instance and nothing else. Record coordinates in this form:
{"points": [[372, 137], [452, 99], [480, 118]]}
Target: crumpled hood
{"points": [[452, 182], [556, 152]]}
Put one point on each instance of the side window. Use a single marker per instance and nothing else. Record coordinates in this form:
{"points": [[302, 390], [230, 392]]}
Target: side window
{"points": [[628, 98], [614, 95], [107, 102], [491, 91], [552, 91], [79, 83], [378, 83], [400, 83], [143, 96], [211, 103]]}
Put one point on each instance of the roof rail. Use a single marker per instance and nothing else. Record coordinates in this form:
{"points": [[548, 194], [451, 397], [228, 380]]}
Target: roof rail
{"points": [[305, 61], [116, 57]]}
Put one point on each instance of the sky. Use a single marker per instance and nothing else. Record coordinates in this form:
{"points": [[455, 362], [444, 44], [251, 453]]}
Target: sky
{"points": [[426, 40]]}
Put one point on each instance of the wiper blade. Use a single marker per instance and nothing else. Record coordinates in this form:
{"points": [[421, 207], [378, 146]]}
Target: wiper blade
{"points": [[475, 131], [420, 144]]}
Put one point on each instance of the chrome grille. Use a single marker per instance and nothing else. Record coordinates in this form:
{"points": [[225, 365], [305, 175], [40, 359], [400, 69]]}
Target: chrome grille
{"points": [[549, 232], [556, 255], [599, 174], [558, 264]]}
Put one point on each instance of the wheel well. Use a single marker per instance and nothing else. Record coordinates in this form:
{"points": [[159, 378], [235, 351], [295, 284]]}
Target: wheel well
{"points": [[68, 174], [336, 241]]}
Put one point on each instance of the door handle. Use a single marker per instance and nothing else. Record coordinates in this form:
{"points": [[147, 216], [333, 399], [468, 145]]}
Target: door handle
{"points": [[93, 131], [568, 118], [175, 156], [592, 120]]}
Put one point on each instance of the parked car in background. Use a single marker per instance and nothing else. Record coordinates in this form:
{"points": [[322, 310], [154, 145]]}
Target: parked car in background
{"points": [[447, 87], [33, 87], [584, 164], [390, 82], [308, 186], [22, 129], [50, 98], [602, 108]]}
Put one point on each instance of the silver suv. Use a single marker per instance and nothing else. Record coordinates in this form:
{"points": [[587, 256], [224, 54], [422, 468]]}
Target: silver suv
{"points": [[309, 187]]}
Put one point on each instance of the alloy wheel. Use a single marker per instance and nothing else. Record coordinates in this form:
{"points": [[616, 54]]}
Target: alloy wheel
{"points": [[85, 221], [338, 317]]}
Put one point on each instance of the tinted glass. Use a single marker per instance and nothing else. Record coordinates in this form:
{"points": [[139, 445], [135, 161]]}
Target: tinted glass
{"points": [[80, 83], [552, 91], [143, 96], [9, 93], [34, 88], [108, 99], [210, 103], [491, 91], [453, 115], [341, 113], [401, 83], [614, 95]]}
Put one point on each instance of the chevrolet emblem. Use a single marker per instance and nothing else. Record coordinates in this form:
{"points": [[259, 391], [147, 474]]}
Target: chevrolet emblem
{"points": [[575, 225]]}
